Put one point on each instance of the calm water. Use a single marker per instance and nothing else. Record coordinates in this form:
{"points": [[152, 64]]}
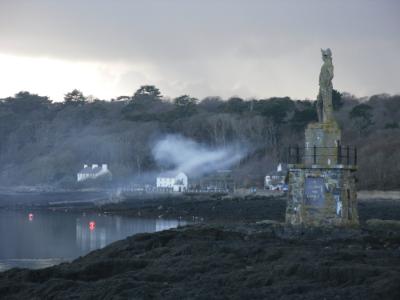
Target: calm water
{"points": [[44, 238]]}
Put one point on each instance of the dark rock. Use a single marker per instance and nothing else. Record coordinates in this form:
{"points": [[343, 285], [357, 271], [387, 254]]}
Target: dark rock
{"points": [[213, 262]]}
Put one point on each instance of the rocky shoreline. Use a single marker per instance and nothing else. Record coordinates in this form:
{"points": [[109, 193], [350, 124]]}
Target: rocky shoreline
{"points": [[209, 208], [219, 209], [223, 209]]}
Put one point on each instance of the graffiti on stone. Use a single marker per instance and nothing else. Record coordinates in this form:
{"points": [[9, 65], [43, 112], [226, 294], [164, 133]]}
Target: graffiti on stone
{"points": [[314, 191], [339, 205]]}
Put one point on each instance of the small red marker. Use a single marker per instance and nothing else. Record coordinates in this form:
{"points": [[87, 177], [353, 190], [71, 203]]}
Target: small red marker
{"points": [[92, 225]]}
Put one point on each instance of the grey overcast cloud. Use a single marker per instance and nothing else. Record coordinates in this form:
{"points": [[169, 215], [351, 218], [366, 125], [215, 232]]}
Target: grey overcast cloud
{"points": [[201, 48]]}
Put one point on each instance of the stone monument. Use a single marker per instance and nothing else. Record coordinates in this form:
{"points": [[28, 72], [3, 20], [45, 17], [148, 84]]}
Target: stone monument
{"points": [[321, 178]]}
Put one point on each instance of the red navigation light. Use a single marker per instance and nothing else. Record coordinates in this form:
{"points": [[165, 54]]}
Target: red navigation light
{"points": [[92, 225], [30, 216]]}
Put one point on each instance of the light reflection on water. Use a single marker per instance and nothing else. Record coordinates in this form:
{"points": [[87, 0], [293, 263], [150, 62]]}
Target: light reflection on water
{"points": [[108, 229], [48, 238], [37, 263]]}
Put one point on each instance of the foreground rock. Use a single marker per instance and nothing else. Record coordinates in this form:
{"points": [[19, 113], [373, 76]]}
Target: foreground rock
{"points": [[259, 261]]}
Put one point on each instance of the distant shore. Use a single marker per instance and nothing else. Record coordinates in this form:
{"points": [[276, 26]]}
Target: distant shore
{"points": [[242, 207], [376, 194], [23, 199], [41, 194]]}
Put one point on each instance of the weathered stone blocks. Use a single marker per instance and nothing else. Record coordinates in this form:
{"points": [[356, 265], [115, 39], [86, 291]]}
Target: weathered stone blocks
{"points": [[325, 137], [322, 191], [320, 196]]}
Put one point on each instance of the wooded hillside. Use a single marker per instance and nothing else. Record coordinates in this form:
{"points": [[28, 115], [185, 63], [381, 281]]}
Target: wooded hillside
{"points": [[45, 142]]}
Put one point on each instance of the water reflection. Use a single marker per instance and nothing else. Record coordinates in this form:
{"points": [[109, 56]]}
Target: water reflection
{"points": [[93, 232], [37, 263], [45, 238]]}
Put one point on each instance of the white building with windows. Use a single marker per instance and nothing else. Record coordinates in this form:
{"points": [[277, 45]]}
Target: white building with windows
{"points": [[175, 182], [93, 172], [275, 181]]}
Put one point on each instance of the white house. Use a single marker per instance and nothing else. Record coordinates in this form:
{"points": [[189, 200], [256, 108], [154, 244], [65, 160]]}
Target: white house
{"points": [[92, 172], [276, 180], [177, 182]]}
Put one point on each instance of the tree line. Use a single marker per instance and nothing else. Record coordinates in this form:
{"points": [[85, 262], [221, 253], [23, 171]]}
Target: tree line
{"points": [[46, 142]]}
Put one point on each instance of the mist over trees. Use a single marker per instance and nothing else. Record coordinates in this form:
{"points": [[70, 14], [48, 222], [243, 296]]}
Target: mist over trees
{"points": [[45, 142]]}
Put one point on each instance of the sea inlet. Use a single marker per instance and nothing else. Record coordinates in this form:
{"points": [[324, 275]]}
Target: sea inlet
{"points": [[42, 238]]}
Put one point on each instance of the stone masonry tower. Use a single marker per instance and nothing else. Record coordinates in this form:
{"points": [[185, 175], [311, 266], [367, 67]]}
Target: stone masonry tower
{"points": [[322, 188]]}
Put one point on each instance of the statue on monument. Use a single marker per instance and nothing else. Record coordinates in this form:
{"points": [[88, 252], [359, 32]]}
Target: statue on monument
{"points": [[321, 182], [324, 100]]}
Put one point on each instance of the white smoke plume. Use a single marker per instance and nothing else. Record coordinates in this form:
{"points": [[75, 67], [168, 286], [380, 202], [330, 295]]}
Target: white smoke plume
{"points": [[178, 153]]}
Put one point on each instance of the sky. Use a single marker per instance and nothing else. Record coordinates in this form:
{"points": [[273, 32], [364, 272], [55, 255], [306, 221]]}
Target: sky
{"points": [[245, 48]]}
